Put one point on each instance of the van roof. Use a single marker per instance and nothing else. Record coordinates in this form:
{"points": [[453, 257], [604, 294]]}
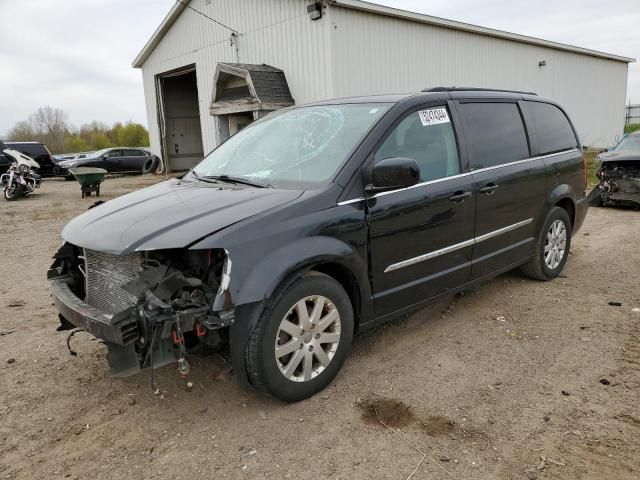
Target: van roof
{"points": [[443, 92]]}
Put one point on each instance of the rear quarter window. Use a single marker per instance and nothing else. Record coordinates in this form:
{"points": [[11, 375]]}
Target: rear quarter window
{"points": [[494, 133], [552, 128]]}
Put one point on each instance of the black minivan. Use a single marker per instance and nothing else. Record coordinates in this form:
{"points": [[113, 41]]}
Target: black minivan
{"points": [[319, 222]]}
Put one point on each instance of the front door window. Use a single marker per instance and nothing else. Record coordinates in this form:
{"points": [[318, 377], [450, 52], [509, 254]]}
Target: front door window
{"points": [[427, 137]]}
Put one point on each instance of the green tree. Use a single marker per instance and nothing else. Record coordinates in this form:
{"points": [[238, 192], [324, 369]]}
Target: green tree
{"points": [[132, 135], [22, 132], [49, 126], [75, 143]]}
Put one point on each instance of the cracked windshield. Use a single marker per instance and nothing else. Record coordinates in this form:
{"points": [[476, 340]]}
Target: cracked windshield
{"points": [[301, 147]]}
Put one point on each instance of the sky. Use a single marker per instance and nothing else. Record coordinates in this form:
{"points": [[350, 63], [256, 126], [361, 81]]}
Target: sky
{"points": [[76, 54]]}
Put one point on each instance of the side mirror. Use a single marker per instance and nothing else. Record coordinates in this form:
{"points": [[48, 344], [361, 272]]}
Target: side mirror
{"points": [[393, 173]]}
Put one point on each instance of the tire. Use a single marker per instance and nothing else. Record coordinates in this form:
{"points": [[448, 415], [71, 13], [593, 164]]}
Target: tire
{"points": [[150, 165], [595, 198], [280, 375], [13, 192], [545, 266]]}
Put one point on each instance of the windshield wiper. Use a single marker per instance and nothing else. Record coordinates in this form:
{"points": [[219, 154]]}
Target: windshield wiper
{"points": [[203, 179], [238, 180]]}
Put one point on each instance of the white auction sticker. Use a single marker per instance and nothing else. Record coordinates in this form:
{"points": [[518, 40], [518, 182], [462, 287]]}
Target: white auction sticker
{"points": [[433, 116]]}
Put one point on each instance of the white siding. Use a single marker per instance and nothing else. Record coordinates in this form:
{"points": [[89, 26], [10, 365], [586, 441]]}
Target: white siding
{"points": [[351, 52], [377, 54], [275, 32]]}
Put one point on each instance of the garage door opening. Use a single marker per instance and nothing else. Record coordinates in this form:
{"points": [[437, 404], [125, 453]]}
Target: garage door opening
{"points": [[179, 119]]}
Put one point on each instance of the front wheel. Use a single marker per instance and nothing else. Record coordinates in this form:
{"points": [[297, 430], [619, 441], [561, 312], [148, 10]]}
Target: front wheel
{"points": [[552, 247], [301, 339], [13, 192]]}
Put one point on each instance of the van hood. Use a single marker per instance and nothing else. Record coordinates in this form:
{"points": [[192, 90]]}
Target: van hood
{"points": [[171, 214], [619, 157]]}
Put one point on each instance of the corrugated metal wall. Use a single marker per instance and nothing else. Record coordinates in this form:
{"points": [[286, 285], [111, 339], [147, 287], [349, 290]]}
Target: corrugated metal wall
{"points": [[275, 32], [376, 54], [355, 53]]}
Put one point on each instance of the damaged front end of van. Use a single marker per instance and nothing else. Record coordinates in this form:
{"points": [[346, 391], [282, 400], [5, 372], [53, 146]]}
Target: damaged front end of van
{"points": [[150, 308], [619, 182], [144, 273]]}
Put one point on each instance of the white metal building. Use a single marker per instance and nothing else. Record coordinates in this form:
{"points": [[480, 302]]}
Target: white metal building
{"points": [[212, 66]]}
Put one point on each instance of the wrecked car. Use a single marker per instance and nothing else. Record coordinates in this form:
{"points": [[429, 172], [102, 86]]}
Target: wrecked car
{"points": [[318, 222], [619, 174]]}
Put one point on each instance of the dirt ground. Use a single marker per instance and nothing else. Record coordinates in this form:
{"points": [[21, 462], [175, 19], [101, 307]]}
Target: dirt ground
{"points": [[520, 379]]}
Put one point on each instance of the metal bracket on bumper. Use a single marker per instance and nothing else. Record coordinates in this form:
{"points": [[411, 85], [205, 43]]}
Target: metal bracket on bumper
{"points": [[120, 329]]}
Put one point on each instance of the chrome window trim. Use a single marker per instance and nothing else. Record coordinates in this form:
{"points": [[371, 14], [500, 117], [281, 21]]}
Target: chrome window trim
{"points": [[460, 175], [456, 246], [347, 202]]}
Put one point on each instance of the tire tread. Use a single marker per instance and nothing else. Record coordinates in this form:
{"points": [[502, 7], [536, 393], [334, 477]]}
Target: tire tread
{"points": [[252, 353], [534, 267]]}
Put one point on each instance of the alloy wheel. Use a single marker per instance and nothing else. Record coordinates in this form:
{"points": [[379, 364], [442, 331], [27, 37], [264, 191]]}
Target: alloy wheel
{"points": [[555, 244], [307, 338]]}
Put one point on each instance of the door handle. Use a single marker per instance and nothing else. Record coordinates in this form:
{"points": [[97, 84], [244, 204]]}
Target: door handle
{"points": [[489, 189], [460, 196]]}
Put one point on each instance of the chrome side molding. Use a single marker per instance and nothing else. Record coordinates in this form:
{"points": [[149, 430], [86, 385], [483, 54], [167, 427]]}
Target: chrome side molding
{"points": [[456, 246]]}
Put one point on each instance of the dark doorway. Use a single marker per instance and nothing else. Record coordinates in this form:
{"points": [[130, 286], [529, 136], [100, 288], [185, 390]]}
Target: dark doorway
{"points": [[179, 120]]}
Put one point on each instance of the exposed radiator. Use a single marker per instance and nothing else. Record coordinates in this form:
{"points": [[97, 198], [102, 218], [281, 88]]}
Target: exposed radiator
{"points": [[106, 273]]}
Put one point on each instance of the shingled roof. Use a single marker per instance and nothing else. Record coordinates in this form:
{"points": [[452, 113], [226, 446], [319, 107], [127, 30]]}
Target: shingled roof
{"points": [[266, 88]]}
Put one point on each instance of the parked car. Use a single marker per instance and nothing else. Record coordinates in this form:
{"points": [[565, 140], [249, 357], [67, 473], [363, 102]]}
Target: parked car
{"points": [[70, 156], [619, 174], [322, 221], [40, 153], [5, 160], [116, 160]]}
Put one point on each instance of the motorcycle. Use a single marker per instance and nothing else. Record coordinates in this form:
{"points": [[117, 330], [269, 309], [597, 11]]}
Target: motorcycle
{"points": [[21, 178]]}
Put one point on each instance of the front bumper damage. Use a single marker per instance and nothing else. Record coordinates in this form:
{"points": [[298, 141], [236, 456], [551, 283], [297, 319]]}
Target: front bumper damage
{"points": [[179, 305], [619, 183]]}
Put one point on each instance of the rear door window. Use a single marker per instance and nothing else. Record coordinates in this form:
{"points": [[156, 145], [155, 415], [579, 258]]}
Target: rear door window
{"points": [[114, 154], [553, 130], [494, 132], [134, 153], [426, 136]]}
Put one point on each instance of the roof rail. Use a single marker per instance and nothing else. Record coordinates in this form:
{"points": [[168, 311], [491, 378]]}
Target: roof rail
{"points": [[472, 89]]}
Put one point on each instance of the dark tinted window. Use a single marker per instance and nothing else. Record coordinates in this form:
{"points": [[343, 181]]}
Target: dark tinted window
{"points": [[30, 148], [113, 153], [552, 128], [494, 132], [427, 137], [4, 160], [134, 153]]}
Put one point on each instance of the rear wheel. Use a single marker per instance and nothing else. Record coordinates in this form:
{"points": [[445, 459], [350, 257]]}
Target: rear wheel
{"points": [[13, 191], [552, 247], [301, 339]]}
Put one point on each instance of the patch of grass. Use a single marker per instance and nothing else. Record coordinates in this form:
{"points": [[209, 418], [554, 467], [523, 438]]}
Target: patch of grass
{"points": [[592, 166], [632, 127]]}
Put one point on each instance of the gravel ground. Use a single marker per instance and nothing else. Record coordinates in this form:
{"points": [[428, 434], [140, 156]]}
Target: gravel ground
{"points": [[520, 379]]}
